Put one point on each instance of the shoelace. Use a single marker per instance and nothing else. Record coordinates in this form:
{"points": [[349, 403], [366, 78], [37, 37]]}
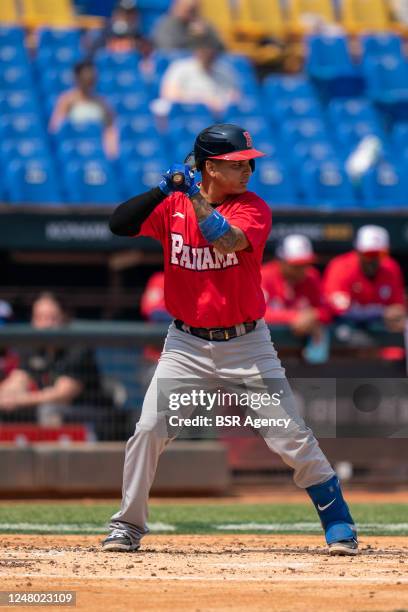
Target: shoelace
{"points": [[119, 533]]}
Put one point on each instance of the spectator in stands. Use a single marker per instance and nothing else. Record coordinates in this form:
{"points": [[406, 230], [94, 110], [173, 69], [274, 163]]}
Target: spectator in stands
{"points": [[82, 105], [399, 10], [8, 359], [292, 288], [201, 79], [122, 33], [366, 284], [52, 385], [174, 31]]}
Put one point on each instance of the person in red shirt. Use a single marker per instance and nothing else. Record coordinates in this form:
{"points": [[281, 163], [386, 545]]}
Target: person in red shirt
{"points": [[292, 288], [366, 284], [213, 237]]}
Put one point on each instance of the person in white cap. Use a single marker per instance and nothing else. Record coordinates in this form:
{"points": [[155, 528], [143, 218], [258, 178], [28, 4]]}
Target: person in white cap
{"points": [[366, 284], [292, 288]]}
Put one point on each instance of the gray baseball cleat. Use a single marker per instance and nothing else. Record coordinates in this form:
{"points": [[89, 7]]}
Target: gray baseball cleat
{"points": [[119, 541], [344, 547]]}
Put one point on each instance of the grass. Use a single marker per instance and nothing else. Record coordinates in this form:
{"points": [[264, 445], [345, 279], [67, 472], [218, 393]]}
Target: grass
{"points": [[75, 517]]}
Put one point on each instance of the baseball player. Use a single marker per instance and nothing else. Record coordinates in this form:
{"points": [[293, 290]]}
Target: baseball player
{"points": [[213, 236], [367, 284]]}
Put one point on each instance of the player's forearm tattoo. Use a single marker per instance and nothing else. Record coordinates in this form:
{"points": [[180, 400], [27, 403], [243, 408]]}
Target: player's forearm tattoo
{"points": [[232, 240]]}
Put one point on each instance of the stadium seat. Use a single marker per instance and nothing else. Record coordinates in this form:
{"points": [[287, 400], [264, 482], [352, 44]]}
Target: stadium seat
{"points": [[386, 186], [365, 15], [91, 182], [326, 184], [120, 81], [387, 80], [317, 151], [13, 55], [130, 104], [106, 60], [80, 149], [79, 131], [23, 148], [49, 12], [349, 110], [299, 8], [187, 127], [63, 56], [179, 110], [296, 130], [138, 176], [32, 181], [11, 35], [132, 127], [274, 183], [15, 77], [283, 87], [145, 147], [57, 37], [18, 102], [21, 126], [375, 46], [348, 135], [56, 80], [262, 17], [248, 105], [294, 108], [399, 136], [8, 12], [329, 58], [257, 125]]}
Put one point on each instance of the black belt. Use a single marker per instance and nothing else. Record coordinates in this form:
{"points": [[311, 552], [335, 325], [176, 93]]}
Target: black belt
{"points": [[216, 334]]}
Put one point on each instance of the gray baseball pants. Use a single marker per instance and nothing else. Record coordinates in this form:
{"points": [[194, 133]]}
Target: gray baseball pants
{"points": [[251, 356]]}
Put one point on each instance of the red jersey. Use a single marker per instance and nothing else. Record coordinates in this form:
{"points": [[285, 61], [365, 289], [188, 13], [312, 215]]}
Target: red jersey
{"points": [[284, 300], [203, 287], [347, 289]]}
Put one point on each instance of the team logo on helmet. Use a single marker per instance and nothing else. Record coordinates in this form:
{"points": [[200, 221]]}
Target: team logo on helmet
{"points": [[248, 139]]}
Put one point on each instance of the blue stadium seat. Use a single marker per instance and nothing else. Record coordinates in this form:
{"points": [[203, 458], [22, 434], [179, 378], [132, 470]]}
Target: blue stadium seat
{"points": [[399, 136], [130, 103], [138, 176], [187, 127], [106, 60], [377, 45], [13, 55], [385, 186], [64, 57], [296, 130], [18, 102], [91, 182], [120, 81], [132, 127], [21, 126], [294, 108], [14, 77], [309, 150], [387, 80], [23, 148], [249, 104], [274, 183], [11, 36], [351, 109], [145, 147], [283, 87], [271, 147], [257, 125], [179, 110], [57, 37], [348, 135], [32, 181], [56, 80], [326, 184], [79, 131], [329, 57], [80, 149]]}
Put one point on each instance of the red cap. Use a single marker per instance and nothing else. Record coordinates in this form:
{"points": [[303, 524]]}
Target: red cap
{"points": [[239, 155]]}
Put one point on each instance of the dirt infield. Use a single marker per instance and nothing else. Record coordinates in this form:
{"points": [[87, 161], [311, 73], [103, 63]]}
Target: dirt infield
{"points": [[225, 572]]}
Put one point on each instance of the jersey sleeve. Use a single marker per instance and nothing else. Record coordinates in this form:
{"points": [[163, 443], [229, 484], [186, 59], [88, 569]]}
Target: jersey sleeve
{"points": [[254, 218], [154, 225]]}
